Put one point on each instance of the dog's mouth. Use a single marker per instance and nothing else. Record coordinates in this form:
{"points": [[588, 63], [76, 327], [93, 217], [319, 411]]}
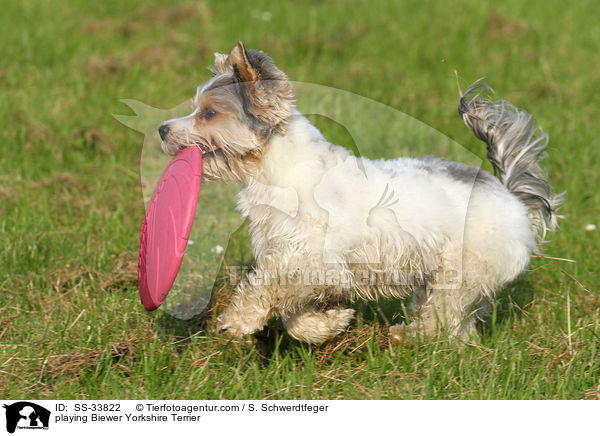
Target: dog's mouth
{"points": [[205, 148], [173, 149]]}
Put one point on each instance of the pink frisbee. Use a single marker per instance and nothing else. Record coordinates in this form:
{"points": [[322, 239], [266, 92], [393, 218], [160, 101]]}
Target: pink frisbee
{"points": [[167, 226]]}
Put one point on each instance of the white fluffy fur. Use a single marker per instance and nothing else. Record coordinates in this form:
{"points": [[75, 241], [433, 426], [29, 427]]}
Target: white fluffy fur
{"points": [[315, 208]]}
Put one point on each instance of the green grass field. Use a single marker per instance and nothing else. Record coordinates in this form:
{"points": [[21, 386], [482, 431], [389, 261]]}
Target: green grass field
{"points": [[71, 324]]}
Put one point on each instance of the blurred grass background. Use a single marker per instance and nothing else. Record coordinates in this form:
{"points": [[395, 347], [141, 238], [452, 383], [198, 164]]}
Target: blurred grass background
{"points": [[71, 325]]}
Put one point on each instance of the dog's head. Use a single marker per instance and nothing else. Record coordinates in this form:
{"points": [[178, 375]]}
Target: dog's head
{"points": [[236, 113]]}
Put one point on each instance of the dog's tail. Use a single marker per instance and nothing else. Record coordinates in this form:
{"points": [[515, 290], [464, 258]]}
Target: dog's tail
{"points": [[515, 147]]}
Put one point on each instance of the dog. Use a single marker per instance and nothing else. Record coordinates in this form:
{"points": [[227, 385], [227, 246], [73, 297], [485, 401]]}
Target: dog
{"points": [[449, 235]]}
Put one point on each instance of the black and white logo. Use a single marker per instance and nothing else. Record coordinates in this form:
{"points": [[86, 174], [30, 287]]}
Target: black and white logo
{"points": [[26, 415]]}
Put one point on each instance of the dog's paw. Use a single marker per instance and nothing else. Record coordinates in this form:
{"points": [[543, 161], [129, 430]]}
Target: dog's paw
{"points": [[235, 325], [222, 325]]}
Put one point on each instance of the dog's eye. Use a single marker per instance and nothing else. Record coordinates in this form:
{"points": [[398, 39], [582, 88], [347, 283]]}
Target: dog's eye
{"points": [[208, 114]]}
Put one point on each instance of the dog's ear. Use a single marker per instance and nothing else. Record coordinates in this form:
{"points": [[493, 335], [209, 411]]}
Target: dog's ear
{"points": [[242, 67], [267, 92]]}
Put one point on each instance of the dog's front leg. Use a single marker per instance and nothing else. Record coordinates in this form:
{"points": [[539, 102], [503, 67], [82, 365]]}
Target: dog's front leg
{"points": [[250, 307]]}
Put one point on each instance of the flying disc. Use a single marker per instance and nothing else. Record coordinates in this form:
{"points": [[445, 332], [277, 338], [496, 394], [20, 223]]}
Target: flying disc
{"points": [[167, 225]]}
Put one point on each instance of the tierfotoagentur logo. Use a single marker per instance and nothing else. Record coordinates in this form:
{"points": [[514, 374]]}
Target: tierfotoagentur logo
{"points": [[25, 415]]}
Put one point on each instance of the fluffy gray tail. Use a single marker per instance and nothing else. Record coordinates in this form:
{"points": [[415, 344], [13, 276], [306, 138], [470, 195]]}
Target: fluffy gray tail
{"points": [[515, 147]]}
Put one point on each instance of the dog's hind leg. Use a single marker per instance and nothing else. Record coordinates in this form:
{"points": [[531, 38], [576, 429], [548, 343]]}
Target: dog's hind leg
{"points": [[314, 326], [449, 303], [449, 312]]}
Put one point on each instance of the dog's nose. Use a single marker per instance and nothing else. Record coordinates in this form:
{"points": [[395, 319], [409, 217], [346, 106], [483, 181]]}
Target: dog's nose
{"points": [[162, 131]]}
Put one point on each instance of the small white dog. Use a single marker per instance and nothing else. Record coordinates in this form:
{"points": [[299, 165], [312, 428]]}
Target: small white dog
{"points": [[329, 227]]}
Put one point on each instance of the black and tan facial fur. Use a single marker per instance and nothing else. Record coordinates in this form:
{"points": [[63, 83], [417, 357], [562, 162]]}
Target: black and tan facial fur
{"points": [[236, 112]]}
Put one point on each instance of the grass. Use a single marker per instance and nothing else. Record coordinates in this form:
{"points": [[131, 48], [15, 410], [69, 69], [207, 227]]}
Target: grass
{"points": [[71, 325]]}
